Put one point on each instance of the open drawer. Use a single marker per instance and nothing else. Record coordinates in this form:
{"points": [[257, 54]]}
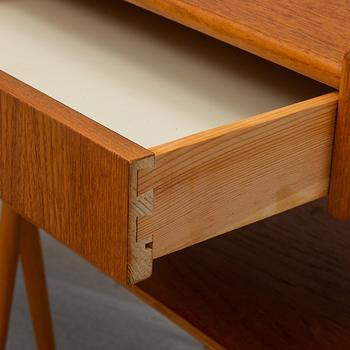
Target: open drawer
{"points": [[187, 137]]}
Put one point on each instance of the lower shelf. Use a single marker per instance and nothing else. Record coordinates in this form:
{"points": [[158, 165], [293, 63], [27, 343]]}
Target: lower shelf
{"points": [[282, 283]]}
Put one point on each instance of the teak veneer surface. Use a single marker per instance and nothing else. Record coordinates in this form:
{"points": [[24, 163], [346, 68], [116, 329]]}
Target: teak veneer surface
{"points": [[280, 284], [308, 36], [69, 175]]}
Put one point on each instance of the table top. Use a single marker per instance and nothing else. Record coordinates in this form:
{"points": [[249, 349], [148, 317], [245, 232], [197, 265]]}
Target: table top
{"points": [[308, 36]]}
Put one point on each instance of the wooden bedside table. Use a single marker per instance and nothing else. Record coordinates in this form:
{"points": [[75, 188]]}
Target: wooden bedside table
{"points": [[128, 137]]}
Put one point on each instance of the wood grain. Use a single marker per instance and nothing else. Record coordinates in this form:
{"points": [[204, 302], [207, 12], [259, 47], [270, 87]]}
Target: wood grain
{"points": [[225, 178], [310, 37], [339, 191], [34, 275], [9, 249], [67, 174], [282, 283]]}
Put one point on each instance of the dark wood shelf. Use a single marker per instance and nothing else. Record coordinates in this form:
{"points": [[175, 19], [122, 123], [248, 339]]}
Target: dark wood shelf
{"points": [[282, 283]]}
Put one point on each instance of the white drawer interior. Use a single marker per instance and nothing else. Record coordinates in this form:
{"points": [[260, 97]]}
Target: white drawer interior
{"points": [[138, 74]]}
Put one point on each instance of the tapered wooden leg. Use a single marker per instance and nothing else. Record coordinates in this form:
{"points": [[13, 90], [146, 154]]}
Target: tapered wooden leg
{"points": [[19, 237], [34, 275], [9, 245]]}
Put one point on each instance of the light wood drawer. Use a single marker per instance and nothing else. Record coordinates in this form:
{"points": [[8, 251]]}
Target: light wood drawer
{"points": [[184, 137]]}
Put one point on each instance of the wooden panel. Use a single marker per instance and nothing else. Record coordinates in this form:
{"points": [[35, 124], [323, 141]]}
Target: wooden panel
{"points": [[67, 174], [282, 283], [308, 36], [339, 191], [228, 177]]}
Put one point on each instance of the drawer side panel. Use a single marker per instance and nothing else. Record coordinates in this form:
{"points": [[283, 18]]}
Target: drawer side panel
{"points": [[228, 177]]}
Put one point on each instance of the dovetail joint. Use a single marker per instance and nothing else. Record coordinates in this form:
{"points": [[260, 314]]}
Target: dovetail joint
{"points": [[140, 252]]}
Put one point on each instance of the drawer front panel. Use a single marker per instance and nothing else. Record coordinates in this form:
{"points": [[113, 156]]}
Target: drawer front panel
{"points": [[69, 175]]}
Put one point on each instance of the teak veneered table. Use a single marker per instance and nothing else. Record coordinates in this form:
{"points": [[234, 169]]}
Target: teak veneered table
{"points": [[129, 137]]}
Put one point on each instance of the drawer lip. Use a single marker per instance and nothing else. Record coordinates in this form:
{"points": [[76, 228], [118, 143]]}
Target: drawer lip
{"points": [[250, 122], [110, 168], [264, 165]]}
